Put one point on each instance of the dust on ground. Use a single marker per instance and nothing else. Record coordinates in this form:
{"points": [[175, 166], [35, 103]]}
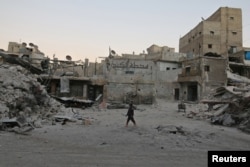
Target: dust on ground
{"points": [[163, 137]]}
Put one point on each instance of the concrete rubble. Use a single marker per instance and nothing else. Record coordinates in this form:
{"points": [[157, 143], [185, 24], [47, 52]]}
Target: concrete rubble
{"points": [[25, 103], [227, 106]]}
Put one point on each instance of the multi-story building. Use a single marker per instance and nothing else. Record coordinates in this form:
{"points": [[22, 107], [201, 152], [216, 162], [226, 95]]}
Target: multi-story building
{"points": [[221, 33], [143, 78]]}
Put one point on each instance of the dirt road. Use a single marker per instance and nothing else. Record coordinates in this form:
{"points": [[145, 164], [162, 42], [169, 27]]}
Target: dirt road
{"points": [[163, 137]]}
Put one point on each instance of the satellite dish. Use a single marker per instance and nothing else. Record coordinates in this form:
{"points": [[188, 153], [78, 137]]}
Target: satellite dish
{"points": [[24, 44], [31, 44], [68, 57], [112, 52]]}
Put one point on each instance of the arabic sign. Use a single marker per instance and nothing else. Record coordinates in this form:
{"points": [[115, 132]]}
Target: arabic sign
{"points": [[129, 65]]}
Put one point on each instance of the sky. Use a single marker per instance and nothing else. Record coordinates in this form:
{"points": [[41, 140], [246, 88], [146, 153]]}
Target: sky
{"points": [[88, 28]]}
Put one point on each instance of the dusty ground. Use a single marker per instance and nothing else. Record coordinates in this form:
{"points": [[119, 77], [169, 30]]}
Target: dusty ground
{"points": [[107, 142]]}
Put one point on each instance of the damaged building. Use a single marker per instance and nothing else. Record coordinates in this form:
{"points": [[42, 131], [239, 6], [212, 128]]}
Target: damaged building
{"points": [[239, 62], [73, 79], [212, 47], [206, 53], [200, 75], [144, 77], [220, 33]]}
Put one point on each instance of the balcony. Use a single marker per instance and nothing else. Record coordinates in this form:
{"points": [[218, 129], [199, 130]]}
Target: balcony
{"points": [[190, 73]]}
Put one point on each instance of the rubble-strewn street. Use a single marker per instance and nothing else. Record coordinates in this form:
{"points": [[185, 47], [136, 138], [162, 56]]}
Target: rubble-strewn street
{"points": [[159, 107], [163, 137], [48, 134]]}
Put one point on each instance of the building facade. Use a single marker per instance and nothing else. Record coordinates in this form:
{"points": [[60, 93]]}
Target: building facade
{"points": [[221, 33], [200, 75], [143, 78]]}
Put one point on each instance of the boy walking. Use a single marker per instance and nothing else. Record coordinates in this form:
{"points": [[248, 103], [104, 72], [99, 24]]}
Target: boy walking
{"points": [[130, 115]]}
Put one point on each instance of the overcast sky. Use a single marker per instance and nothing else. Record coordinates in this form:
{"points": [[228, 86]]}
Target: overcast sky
{"points": [[87, 28]]}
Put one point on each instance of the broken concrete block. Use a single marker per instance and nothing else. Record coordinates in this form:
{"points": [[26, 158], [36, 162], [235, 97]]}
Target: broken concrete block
{"points": [[38, 124], [221, 110], [3, 108], [227, 120], [86, 122], [7, 122]]}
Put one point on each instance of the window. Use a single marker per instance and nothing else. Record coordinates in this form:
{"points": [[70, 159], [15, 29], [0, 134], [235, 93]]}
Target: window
{"points": [[210, 46], [188, 69], [167, 68], [234, 32], [232, 49], [206, 68], [211, 32]]}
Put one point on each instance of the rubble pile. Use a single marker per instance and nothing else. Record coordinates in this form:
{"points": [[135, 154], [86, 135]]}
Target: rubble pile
{"points": [[228, 105], [23, 100]]}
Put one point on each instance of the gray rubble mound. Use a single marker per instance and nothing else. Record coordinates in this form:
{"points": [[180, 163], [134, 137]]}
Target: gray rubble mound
{"points": [[23, 100]]}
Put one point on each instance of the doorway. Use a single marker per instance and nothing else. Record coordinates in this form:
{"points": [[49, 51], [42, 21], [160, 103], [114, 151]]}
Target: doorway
{"points": [[177, 94], [192, 93]]}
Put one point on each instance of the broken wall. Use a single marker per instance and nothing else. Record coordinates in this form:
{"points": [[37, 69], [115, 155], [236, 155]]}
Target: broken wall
{"points": [[213, 74], [204, 73]]}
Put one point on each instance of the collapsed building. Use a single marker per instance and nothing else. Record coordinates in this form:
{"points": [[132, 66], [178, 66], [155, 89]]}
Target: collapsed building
{"points": [[24, 102]]}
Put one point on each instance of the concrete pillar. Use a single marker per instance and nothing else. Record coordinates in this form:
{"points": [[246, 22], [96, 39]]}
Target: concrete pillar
{"points": [[85, 91]]}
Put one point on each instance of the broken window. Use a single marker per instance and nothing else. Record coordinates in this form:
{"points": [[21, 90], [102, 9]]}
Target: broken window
{"points": [[211, 32], [210, 46], [167, 68], [231, 18], [206, 68]]}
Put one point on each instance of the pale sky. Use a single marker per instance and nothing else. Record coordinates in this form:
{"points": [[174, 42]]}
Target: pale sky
{"points": [[87, 28]]}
